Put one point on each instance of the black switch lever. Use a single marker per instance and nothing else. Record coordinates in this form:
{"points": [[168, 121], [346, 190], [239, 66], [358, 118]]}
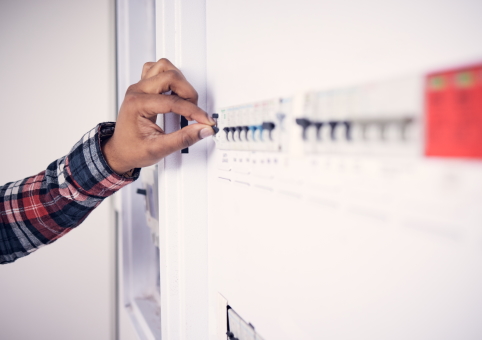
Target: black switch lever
{"points": [[270, 127], [348, 130], [232, 129], [318, 126], [304, 123], [239, 129], [142, 192], [245, 129], [333, 125], [226, 129], [184, 123]]}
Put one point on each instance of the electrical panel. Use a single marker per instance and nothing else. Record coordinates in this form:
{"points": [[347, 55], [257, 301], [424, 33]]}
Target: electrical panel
{"points": [[291, 172], [381, 118], [239, 329]]}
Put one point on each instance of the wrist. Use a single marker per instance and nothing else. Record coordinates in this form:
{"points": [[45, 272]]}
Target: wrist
{"points": [[112, 158]]}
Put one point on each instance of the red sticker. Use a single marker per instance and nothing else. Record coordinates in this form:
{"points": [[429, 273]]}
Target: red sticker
{"points": [[454, 113]]}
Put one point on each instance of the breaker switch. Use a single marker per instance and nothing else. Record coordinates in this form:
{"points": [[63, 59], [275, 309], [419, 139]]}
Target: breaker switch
{"points": [[405, 124], [239, 129], [318, 126], [333, 125], [269, 126], [304, 123], [347, 130], [253, 129], [232, 129], [226, 129], [245, 129]]}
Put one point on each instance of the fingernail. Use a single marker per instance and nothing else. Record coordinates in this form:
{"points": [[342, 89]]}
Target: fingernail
{"points": [[206, 132], [211, 120]]}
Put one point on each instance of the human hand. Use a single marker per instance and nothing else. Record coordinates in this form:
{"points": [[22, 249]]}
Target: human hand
{"points": [[137, 140]]}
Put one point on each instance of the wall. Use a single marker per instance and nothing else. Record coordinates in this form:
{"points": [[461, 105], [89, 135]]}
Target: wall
{"points": [[57, 82], [300, 268]]}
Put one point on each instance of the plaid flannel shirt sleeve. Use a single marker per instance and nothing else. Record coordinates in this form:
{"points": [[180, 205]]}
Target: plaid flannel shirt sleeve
{"points": [[38, 210]]}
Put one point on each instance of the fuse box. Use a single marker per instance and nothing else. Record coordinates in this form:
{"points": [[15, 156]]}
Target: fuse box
{"points": [[379, 118]]}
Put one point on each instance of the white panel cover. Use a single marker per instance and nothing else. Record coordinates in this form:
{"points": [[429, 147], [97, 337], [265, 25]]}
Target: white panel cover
{"points": [[364, 239]]}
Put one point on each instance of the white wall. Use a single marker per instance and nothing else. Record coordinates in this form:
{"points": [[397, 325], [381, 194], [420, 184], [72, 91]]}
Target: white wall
{"points": [[57, 82], [301, 269]]}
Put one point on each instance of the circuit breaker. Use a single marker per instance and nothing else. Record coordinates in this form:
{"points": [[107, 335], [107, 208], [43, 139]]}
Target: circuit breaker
{"points": [[378, 118]]}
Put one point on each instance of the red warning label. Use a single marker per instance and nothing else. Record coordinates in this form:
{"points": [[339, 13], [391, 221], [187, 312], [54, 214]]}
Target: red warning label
{"points": [[454, 113]]}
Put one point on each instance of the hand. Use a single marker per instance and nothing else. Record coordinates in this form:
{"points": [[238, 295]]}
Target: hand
{"points": [[138, 141]]}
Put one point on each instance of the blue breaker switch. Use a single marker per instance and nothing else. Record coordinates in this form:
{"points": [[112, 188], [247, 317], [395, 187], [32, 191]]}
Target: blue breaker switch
{"points": [[253, 128], [260, 128]]}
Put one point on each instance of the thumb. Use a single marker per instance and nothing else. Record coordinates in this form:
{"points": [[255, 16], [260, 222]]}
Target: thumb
{"points": [[183, 138]]}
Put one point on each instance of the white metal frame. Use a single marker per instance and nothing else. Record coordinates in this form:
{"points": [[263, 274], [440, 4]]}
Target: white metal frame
{"points": [[137, 257], [180, 35], [183, 233]]}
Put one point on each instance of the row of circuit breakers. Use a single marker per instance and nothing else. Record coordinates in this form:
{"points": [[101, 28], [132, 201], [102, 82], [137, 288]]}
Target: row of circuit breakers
{"points": [[439, 114]]}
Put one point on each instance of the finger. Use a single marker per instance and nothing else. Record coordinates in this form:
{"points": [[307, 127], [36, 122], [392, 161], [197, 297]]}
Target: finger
{"points": [[181, 139], [150, 105], [162, 65], [171, 80], [145, 68]]}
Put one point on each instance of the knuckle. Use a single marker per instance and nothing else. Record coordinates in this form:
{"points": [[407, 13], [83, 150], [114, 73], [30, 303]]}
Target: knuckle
{"points": [[131, 89], [163, 61], [131, 99], [172, 75]]}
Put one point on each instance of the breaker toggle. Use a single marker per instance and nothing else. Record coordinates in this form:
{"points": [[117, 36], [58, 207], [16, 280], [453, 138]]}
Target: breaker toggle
{"points": [[268, 126], [304, 123]]}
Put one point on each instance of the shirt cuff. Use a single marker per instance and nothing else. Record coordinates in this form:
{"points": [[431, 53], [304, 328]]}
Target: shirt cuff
{"points": [[88, 167]]}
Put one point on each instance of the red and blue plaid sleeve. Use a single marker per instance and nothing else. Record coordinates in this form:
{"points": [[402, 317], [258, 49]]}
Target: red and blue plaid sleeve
{"points": [[38, 210]]}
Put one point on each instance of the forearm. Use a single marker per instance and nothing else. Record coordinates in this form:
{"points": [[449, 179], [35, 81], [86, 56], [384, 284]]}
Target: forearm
{"points": [[40, 209]]}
